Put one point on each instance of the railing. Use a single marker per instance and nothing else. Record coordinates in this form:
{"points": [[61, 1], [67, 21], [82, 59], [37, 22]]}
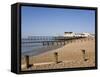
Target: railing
{"points": [[48, 40]]}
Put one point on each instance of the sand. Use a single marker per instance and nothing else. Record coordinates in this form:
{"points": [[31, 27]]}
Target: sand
{"points": [[69, 56]]}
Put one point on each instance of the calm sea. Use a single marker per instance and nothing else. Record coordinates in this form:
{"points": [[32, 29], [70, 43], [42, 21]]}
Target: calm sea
{"points": [[32, 46]]}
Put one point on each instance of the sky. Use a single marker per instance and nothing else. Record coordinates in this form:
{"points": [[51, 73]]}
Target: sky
{"points": [[40, 21]]}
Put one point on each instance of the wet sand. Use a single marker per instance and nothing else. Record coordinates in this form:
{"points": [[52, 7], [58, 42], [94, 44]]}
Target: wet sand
{"points": [[69, 56]]}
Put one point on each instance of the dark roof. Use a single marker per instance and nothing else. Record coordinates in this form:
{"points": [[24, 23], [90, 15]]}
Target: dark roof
{"points": [[68, 32]]}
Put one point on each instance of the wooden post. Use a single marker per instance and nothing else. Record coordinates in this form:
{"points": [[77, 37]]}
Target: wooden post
{"points": [[27, 61], [56, 56], [84, 55]]}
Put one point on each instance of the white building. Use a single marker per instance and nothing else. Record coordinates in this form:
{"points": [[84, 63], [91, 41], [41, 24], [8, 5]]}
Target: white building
{"points": [[69, 34], [86, 34], [72, 34]]}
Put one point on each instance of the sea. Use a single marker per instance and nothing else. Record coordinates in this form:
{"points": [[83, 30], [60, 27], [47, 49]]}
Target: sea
{"points": [[31, 46]]}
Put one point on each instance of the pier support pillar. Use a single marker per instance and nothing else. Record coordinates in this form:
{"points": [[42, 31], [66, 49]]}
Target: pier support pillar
{"points": [[48, 43], [52, 43], [64, 42], [43, 44], [57, 43]]}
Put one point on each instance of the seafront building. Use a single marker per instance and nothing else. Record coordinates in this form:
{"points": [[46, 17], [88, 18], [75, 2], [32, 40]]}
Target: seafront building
{"points": [[72, 34]]}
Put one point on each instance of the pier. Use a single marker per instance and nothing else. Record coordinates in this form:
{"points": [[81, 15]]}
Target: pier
{"points": [[49, 40]]}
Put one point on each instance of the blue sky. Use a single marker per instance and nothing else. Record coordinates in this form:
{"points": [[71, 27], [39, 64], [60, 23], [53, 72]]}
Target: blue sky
{"points": [[54, 21]]}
